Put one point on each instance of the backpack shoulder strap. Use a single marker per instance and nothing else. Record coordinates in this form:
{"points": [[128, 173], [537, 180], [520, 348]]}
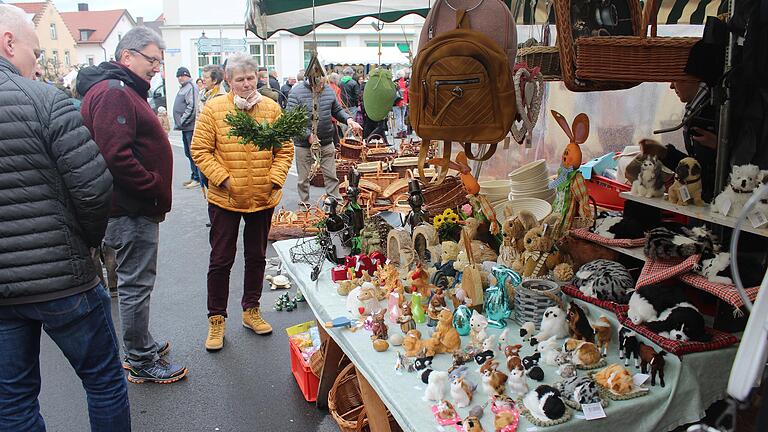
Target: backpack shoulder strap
{"points": [[484, 157]]}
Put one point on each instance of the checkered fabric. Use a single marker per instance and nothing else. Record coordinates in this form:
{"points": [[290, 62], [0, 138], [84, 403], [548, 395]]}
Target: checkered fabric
{"points": [[657, 271], [586, 234], [614, 307], [727, 293], [719, 339]]}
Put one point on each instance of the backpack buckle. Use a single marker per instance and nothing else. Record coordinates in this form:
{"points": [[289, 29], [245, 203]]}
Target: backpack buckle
{"points": [[457, 91]]}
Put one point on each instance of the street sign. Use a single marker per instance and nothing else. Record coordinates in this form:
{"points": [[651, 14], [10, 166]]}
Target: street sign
{"points": [[217, 45]]}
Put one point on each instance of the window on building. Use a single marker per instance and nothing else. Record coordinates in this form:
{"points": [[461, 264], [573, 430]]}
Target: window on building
{"points": [[42, 56], [90, 60], [402, 46], [67, 59], [85, 34], [308, 48], [265, 58], [54, 36], [204, 60], [55, 58]]}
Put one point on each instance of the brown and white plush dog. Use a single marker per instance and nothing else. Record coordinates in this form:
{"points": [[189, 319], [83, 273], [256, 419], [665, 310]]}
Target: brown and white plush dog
{"points": [[688, 174]]}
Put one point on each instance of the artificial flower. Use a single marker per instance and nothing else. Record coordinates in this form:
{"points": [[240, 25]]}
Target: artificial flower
{"points": [[467, 209]]}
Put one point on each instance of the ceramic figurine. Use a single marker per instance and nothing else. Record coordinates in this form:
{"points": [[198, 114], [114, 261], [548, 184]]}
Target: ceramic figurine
{"points": [[478, 324], [406, 321], [420, 284], [352, 211], [497, 307], [436, 304], [339, 231], [393, 307], [379, 328], [461, 319], [417, 309], [448, 337], [416, 216], [412, 343], [404, 364]]}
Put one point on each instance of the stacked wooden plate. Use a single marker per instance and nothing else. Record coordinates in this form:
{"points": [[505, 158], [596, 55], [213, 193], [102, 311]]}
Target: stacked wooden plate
{"points": [[538, 207], [530, 181], [495, 190]]}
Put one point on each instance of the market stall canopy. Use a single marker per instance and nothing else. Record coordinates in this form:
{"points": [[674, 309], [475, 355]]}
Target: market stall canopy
{"points": [[267, 17], [361, 55]]}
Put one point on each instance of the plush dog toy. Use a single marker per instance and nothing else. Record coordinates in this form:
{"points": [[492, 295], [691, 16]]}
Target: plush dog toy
{"points": [[744, 179], [650, 182], [687, 186]]}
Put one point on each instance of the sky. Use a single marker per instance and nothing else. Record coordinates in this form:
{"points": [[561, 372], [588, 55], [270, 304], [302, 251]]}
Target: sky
{"points": [[149, 9]]}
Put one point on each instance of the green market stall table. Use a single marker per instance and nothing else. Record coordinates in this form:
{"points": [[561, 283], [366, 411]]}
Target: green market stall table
{"points": [[693, 381]]}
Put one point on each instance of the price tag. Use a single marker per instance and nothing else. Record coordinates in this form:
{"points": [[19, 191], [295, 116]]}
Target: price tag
{"points": [[640, 379], [757, 219], [593, 411], [684, 193], [386, 262], [725, 207], [532, 429], [357, 265]]}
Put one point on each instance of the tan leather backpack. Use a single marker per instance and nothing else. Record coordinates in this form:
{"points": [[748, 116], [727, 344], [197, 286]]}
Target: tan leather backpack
{"points": [[461, 90]]}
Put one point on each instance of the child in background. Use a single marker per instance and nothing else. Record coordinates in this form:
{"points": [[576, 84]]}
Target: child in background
{"points": [[162, 114]]}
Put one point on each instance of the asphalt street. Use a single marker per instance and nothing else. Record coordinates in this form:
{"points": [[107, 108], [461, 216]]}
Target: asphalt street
{"points": [[247, 386]]}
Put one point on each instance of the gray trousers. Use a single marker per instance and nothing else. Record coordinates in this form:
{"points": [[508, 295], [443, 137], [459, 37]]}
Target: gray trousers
{"points": [[304, 163], [135, 241]]}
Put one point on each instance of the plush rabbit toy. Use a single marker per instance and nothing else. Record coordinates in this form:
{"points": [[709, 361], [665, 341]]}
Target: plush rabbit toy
{"points": [[572, 199]]}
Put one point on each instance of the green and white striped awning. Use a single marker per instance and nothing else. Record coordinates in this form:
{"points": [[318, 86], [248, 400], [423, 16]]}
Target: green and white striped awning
{"points": [[266, 17]]}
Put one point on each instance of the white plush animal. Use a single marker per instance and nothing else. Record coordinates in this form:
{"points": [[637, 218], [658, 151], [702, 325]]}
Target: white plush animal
{"points": [[518, 382], [710, 267], [762, 190], [527, 330], [488, 343], [461, 392], [504, 339], [649, 183], [604, 224], [477, 324], [553, 323], [743, 181], [436, 385], [363, 297], [549, 350]]}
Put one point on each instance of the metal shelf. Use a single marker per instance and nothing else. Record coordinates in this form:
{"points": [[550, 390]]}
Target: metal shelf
{"points": [[636, 253], [700, 213]]}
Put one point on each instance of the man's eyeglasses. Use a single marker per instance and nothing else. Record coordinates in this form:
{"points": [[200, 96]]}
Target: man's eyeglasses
{"points": [[152, 60]]}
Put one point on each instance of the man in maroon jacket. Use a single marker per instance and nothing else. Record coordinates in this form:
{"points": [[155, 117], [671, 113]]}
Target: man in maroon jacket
{"points": [[138, 154]]}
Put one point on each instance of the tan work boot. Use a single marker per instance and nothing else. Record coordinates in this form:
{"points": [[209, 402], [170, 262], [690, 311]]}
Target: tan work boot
{"points": [[216, 327], [252, 319]]}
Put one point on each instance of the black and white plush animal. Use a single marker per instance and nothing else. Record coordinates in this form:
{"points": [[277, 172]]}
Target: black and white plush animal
{"points": [[629, 346], [604, 280], [581, 389], [422, 363], [553, 323], [483, 356], [681, 242], [716, 268], [650, 182], [648, 302], [743, 181], [637, 219], [604, 223], [532, 369], [527, 330], [682, 322], [544, 403]]}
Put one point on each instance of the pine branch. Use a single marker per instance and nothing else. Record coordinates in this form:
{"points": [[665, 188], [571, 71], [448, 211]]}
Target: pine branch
{"points": [[263, 135]]}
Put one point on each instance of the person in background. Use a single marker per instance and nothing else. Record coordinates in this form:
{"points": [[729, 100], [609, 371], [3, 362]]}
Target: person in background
{"points": [[185, 109], [245, 183], [704, 67], [401, 105], [139, 156], [327, 107], [285, 90], [351, 95], [333, 81], [263, 76], [273, 82], [300, 75], [55, 205], [199, 83], [213, 84]]}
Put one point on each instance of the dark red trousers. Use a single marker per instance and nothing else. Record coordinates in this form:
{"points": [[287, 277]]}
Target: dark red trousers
{"points": [[225, 228]]}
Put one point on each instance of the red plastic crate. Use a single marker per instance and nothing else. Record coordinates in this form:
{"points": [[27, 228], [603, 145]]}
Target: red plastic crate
{"points": [[308, 382], [606, 192]]}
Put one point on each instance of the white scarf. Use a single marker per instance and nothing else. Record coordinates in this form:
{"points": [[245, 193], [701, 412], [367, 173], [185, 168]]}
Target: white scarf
{"points": [[247, 103]]}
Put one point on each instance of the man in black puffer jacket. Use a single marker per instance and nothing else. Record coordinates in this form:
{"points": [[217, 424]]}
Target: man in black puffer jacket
{"points": [[55, 191], [327, 106]]}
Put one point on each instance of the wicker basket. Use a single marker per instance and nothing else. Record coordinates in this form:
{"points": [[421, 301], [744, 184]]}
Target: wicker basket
{"points": [[568, 54], [381, 178], [351, 147], [448, 194], [547, 58], [344, 400], [376, 141], [533, 297], [316, 361], [401, 165], [634, 58]]}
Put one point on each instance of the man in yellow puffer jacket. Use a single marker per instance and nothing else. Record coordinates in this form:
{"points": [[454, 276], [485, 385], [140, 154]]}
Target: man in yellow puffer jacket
{"points": [[244, 182]]}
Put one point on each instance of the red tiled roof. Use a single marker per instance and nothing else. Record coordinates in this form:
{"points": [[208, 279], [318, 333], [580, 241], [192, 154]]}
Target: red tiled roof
{"points": [[31, 8], [102, 22]]}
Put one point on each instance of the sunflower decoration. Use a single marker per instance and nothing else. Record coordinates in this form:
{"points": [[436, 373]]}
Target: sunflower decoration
{"points": [[447, 225]]}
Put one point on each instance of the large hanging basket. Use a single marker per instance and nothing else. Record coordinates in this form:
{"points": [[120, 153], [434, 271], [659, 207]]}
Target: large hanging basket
{"points": [[351, 146], [568, 52], [634, 58], [533, 297], [448, 194]]}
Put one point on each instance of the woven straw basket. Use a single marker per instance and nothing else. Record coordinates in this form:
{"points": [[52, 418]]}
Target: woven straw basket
{"points": [[533, 297]]}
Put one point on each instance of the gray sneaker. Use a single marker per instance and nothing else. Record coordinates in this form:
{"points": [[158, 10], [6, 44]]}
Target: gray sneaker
{"points": [[162, 352], [160, 372]]}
